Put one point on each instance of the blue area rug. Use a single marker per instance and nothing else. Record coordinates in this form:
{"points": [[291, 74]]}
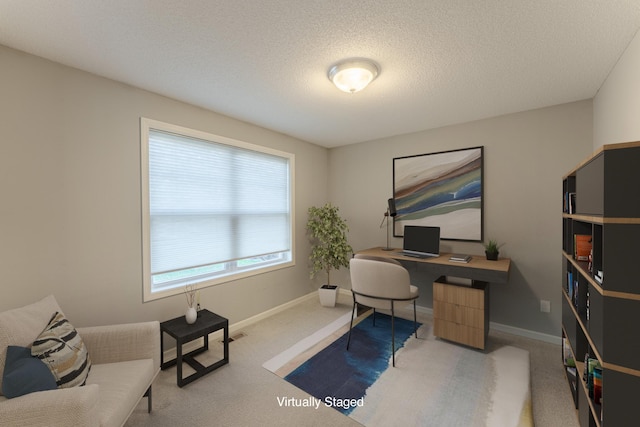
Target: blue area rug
{"points": [[435, 383], [341, 377]]}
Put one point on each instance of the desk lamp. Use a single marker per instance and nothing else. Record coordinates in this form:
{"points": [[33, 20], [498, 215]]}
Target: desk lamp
{"points": [[391, 212]]}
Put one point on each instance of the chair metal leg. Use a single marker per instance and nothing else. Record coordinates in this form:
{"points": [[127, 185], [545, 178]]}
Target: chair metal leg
{"points": [[415, 319], [393, 337], [355, 304]]}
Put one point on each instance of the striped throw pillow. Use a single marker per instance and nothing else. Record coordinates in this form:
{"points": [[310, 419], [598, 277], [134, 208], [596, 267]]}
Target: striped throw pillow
{"points": [[60, 347]]}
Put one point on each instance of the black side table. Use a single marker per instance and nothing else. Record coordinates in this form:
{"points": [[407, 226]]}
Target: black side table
{"points": [[206, 323]]}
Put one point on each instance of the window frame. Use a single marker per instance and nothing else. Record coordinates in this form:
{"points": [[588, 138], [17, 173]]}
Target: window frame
{"points": [[235, 273]]}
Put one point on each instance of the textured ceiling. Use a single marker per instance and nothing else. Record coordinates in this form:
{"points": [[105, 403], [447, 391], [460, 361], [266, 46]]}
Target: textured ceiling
{"points": [[265, 61]]}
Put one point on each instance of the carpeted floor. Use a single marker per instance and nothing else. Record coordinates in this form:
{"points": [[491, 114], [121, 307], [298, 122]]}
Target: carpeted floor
{"points": [[243, 393], [434, 383]]}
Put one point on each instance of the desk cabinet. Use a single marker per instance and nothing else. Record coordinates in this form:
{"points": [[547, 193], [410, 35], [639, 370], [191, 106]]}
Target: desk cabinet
{"points": [[461, 312]]}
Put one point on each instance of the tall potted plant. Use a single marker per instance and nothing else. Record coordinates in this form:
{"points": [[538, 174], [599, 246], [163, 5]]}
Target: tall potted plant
{"points": [[330, 249]]}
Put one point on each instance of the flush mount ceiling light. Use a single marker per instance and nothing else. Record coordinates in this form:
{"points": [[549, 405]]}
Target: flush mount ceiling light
{"points": [[353, 75]]}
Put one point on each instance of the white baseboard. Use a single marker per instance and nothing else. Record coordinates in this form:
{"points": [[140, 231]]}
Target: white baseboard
{"points": [[553, 339], [171, 353], [261, 316], [424, 310], [342, 291], [235, 327]]}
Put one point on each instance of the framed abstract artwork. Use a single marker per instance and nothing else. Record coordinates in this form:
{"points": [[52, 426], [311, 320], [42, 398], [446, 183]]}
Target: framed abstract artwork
{"points": [[443, 189]]}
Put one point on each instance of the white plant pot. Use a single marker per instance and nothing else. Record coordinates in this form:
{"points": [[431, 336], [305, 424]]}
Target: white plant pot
{"points": [[328, 295]]}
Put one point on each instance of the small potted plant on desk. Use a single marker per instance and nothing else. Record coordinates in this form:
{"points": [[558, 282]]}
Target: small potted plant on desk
{"points": [[491, 250], [330, 249]]}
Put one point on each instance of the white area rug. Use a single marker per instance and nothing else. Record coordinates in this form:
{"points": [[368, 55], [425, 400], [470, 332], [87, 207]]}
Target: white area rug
{"points": [[434, 383]]}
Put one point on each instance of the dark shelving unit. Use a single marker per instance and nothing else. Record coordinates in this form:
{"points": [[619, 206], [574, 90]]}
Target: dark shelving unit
{"points": [[601, 297]]}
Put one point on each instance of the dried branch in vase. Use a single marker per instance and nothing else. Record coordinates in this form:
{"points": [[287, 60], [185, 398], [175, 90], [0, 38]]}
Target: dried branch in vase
{"points": [[190, 294]]}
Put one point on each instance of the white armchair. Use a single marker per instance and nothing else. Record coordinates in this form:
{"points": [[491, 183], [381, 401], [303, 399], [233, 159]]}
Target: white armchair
{"points": [[379, 283], [125, 361]]}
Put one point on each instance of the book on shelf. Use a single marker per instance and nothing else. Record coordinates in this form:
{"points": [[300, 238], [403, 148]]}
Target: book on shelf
{"points": [[582, 245], [567, 354], [572, 291], [569, 203], [572, 377], [460, 258]]}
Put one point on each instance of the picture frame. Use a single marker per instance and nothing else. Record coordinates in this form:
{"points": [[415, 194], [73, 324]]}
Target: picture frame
{"points": [[443, 189]]}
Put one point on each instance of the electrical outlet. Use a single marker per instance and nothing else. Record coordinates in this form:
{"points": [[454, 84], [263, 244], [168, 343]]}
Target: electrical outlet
{"points": [[545, 306]]}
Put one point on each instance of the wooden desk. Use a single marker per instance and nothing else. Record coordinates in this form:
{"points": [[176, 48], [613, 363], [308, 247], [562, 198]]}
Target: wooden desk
{"points": [[479, 268], [460, 312]]}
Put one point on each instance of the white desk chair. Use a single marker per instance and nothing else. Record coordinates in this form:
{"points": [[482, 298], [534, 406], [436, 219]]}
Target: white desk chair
{"points": [[379, 283]]}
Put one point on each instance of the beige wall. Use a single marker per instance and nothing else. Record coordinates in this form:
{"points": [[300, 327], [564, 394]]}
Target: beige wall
{"points": [[525, 157], [70, 214], [616, 107], [70, 210]]}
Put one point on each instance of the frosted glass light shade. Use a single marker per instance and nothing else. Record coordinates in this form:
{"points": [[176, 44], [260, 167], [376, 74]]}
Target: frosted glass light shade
{"points": [[353, 75]]}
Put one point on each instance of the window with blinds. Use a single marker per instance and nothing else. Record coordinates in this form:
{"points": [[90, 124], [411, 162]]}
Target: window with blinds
{"points": [[214, 209]]}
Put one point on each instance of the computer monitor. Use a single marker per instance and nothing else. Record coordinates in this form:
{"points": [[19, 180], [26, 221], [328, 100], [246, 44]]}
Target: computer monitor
{"points": [[421, 241]]}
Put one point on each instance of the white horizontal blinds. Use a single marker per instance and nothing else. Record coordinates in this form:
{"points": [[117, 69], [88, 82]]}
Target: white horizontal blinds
{"points": [[211, 203]]}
